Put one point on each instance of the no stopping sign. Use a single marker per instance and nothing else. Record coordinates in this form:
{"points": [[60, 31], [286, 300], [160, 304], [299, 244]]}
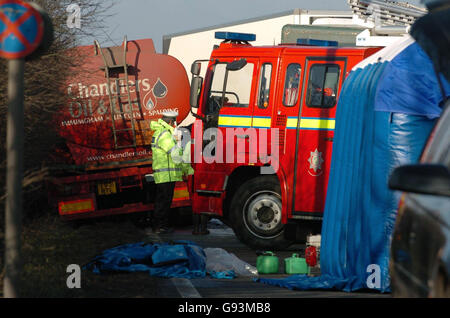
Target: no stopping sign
{"points": [[21, 29]]}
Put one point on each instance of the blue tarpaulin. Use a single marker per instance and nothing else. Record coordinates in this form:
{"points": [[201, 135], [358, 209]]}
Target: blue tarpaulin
{"points": [[181, 259], [369, 142], [409, 85]]}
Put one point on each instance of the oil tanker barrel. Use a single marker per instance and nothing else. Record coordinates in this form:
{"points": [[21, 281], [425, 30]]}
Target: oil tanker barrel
{"points": [[106, 118]]}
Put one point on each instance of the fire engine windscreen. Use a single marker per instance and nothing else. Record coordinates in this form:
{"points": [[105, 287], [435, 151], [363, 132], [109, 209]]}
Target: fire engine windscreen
{"points": [[237, 89]]}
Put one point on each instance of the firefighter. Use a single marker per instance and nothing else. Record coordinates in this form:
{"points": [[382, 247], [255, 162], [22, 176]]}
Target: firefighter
{"points": [[167, 168]]}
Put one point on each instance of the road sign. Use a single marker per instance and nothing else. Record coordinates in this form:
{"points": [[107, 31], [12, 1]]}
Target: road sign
{"points": [[21, 29], [25, 30]]}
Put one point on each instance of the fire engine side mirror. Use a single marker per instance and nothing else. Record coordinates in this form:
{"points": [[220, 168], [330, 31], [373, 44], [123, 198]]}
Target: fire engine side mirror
{"points": [[195, 68], [236, 65], [196, 86]]}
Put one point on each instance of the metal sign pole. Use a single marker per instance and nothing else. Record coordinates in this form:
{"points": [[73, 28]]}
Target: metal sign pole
{"points": [[14, 174], [25, 31]]}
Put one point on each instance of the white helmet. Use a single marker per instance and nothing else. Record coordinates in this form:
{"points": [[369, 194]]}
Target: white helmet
{"points": [[170, 114]]}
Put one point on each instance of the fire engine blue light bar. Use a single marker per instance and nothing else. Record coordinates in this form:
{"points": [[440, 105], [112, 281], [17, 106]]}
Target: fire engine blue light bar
{"points": [[316, 42], [234, 36]]}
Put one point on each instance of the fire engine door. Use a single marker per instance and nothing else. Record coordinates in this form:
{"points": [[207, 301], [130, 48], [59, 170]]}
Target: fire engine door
{"points": [[234, 113], [262, 109], [315, 130]]}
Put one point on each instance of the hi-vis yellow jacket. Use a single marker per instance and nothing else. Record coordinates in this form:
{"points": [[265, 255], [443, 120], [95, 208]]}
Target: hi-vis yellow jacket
{"points": [[186, 164], [166, 154]]}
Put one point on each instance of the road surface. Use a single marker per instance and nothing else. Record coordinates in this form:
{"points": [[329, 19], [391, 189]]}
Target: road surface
{"points": [[222, 236]]}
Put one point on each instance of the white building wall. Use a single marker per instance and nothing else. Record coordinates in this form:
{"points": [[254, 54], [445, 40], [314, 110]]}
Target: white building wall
{"points": [[190, 47], [197, 44]]}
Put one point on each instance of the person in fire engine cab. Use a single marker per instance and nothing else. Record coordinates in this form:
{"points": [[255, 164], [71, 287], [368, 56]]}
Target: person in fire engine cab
{"points": [[167, 168], [292, 84]]}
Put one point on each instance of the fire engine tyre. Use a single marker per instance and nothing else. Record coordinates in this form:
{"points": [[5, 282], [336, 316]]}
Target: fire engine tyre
{"points": [[255, 213]]}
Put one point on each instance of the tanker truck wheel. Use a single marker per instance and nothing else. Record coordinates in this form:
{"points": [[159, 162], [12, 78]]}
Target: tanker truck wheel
{"points": [[255, 214]]}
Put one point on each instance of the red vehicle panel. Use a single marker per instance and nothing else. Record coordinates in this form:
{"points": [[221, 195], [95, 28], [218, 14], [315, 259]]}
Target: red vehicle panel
{"points": [[157, 82], [273, 108], [102, 164]]}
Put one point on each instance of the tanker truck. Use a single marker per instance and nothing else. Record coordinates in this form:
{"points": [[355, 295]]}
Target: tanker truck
{"points": [[103, 164]]}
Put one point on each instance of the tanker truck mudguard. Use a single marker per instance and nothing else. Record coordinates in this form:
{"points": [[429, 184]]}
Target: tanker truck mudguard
{"points": [[263, 134], [103, 165]]}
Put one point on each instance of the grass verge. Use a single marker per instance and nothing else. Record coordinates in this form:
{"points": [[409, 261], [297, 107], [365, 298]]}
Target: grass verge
{"points": [[49, 245]]}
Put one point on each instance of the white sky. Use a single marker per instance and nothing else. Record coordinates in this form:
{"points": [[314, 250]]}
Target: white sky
{"points": [[152, 19]]}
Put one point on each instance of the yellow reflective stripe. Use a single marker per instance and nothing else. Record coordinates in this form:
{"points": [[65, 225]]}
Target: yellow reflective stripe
{"points": [[317, 123], [235, 121], [291, 122], [244, 121], [84, 205], [263, 122], [311, 123], [181, 194]]}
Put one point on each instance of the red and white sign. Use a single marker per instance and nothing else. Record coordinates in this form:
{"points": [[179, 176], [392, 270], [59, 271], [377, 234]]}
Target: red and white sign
{"points": [[21, 29]]}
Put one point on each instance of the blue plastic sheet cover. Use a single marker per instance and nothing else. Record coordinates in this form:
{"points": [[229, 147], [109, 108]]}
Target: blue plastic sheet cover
{"points": [[360, 210], [183, 259], [180, 259], [169, 255], [410, 86]]}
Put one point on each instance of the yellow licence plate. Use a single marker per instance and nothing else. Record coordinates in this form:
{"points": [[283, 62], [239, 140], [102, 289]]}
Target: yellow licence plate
{"points": [[107, 188]]}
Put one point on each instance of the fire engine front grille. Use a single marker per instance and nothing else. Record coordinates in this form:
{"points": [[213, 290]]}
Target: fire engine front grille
{"points": [[281, 120], [281, 137]]}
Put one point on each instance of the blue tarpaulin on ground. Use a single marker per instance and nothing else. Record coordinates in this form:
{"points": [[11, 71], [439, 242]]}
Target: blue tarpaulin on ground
{"points": [[182, 259], [360, 210]]}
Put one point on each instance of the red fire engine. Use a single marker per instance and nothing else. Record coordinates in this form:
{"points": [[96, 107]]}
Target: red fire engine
{"points": [[276, 104], [103, 165]]}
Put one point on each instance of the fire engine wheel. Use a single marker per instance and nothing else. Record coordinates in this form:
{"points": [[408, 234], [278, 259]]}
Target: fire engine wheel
{"points": [[255, 213]]}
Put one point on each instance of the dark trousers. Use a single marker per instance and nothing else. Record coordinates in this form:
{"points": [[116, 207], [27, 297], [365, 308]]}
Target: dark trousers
{"points": [[163, 201]]}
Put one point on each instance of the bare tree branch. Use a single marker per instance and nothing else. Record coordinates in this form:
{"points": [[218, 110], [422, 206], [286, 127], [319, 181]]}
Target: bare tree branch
{"points": [[44, 79]]}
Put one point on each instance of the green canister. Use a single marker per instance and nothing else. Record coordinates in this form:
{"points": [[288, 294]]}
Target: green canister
{"points": [[295, 265], [267, 263]]}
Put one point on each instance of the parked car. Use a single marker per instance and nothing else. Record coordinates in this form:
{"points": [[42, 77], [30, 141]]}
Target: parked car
{"points": [[420, 251]]}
